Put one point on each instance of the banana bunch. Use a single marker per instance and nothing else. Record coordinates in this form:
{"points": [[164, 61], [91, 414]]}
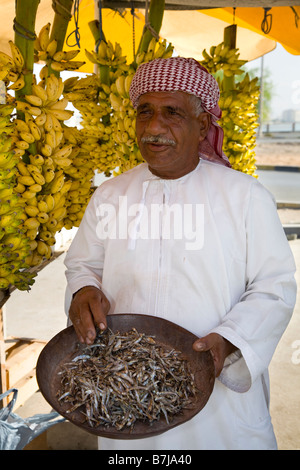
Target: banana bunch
{"points": [[156, 50], [123, 125], [45, 104], [46, 50], [91, 98], [80, 176], [14, 245], [239, 107], [11, 68], [239, 121], [108, 55], [223, 58]]}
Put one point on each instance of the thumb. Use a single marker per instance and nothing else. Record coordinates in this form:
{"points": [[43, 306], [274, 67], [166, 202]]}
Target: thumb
{"points": [[202, 344]]}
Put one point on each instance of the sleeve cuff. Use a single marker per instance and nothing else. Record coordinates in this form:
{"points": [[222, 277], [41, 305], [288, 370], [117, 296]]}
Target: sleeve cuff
{"points": [[242, 367]]}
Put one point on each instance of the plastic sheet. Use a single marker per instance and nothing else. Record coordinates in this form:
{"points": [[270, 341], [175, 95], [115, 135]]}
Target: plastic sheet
{"points": [[17, 432]]}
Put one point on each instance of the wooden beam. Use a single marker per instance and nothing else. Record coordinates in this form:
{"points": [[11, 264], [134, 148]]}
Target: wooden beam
{"points": [[201, 4]]}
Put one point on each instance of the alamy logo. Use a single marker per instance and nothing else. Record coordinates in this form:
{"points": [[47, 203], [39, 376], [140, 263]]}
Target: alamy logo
{"points": [[154, 222]]}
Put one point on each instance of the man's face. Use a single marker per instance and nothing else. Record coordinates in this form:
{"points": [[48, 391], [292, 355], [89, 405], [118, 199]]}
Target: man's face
{"points": [[169, 118]]}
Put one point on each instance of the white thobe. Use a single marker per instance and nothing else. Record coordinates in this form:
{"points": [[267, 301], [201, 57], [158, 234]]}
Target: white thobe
{"points": [[215, 259]]}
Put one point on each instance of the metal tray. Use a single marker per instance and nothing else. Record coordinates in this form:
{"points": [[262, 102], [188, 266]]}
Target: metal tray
{"points": [[62, 347]]}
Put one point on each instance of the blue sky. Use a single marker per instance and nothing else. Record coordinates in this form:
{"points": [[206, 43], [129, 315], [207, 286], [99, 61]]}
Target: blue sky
{"points": [[285, 75]]}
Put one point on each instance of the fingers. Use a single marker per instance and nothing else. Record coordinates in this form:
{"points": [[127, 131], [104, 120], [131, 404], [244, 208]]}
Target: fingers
{"points": [[217, 345], [87, 311]]}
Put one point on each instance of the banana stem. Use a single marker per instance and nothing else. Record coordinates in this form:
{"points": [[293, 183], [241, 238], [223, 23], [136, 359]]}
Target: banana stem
{"points": [[230, 41], [62, 16], [24, 39], [97, 32], [155, 17]]}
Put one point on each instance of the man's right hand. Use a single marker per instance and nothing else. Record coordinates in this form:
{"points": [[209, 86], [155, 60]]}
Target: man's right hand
{"points": [[88, 310]]}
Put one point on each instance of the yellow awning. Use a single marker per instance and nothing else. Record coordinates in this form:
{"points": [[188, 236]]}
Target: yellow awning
{"points": [[284, 22], [189, 31]]}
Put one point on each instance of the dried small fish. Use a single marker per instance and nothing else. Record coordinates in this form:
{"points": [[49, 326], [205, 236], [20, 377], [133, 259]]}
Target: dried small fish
{"points": [[125, 377]]}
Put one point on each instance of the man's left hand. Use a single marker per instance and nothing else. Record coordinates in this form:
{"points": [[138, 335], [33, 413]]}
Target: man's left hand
{"points": [[219, 347]]}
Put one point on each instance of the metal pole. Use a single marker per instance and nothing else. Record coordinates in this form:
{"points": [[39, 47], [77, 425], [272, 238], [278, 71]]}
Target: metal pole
{"points": [[259, 133]]}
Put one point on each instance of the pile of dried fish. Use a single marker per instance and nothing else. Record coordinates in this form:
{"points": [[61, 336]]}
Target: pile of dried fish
{"points": [[126, 377]]}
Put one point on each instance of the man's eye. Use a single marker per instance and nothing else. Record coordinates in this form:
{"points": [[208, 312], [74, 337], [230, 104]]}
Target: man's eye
{"points": [[143, 112], [173, 112]]}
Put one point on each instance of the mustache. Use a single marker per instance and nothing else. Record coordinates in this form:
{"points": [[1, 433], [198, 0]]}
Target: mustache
{"points": [[157, 139]]}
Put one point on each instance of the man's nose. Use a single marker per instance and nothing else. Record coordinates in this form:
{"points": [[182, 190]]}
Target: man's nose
{"points": [[156, 124]]}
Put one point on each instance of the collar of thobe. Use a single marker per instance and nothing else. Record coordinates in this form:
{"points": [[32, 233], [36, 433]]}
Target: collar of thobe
{"points": [[132, 237]]}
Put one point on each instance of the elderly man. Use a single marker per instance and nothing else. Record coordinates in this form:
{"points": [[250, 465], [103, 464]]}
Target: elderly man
{"points": [[195, 242]]}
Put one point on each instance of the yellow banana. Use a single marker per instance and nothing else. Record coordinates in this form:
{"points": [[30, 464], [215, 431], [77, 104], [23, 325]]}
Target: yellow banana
{"points": [[22, 145], [42, 206], [35, 131], [28, 194], [62, 162], [56, 124], [19, 188], [34, 100], [50, 139], [46, 150], [58, 213], [18, 84], [42, 217], [51, 48], [58, 56], [69, 55], [58, 182], [39, 91], [44, 37], [120, 84], [26, 180], [6, 59], [21, 125], [38, 178], [49, 175], [58, 66], [102, 50], [31, 211], [16, 55], [22, 167], [61, 114], [64, 152], [27, 136], [60, 104], [31, 223], [48, 125], [50, 201], [54, 87], [36, 160], [41, 119], [51, 87]]}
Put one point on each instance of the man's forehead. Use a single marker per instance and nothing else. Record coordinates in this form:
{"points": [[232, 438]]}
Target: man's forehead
{"points": [[175, 98]]}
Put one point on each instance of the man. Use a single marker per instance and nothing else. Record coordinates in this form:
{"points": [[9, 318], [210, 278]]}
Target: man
{"points": [[196, 243]]}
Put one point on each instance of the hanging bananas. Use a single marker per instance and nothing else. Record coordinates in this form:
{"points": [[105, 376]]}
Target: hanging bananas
{"points": [[239, 107], [46, 51], [14, 245], [12, 68], [111, 117], [46, 166]]}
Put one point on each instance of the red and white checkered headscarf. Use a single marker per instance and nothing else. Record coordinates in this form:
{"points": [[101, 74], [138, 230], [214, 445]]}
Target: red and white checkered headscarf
{"points": [[187, 75]]}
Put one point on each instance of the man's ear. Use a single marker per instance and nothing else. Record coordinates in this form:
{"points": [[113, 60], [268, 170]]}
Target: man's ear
{"points": [[204, 124]]}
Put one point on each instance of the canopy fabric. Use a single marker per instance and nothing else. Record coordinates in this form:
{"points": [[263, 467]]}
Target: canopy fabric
{"points": [[201, 33], [189, 31], [204, 31], [285, 27]]}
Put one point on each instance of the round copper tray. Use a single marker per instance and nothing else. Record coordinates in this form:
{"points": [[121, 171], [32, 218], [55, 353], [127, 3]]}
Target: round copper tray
{"points": [[62, 347]]}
